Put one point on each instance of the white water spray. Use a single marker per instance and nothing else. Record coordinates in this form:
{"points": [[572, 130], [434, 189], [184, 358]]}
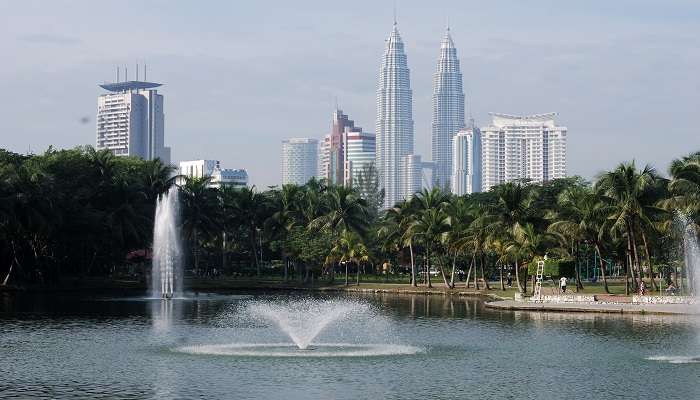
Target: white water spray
{"points": [[166, 272], [691, 250]]}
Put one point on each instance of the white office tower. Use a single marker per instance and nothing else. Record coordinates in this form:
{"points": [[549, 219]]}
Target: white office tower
{"points": [[394, 119], [466, 165], [360, 150], [130, 120], [299, 160], [212, 168], [448, 110], [530, 147], [411, 175]]}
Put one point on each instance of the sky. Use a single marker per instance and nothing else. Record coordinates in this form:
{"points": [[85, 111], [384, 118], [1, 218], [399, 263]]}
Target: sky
{"points": [[238, 77]]}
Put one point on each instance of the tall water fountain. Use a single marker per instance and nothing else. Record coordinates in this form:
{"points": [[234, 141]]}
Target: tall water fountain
{"points": [[166, 272], [691, 250]]}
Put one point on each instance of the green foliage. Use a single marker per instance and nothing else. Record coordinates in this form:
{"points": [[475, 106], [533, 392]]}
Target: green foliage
{"points": [[81, 211], [554, 268]]}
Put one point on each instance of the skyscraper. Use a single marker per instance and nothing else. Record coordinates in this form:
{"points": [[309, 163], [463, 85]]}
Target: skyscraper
{"points": [[466, 165], [394, 118], [130, 120], [448, 110], [530, 147], [299, 160], [360, 150], [333, 148]]}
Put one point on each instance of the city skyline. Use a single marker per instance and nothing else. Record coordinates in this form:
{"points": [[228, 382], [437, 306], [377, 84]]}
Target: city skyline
{"points": [[606, 84]]}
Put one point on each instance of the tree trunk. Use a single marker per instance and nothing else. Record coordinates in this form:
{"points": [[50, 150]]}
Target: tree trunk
{"points": [[286, 268], [635, 254], [517, 277], [444, 277], [357, 283], [413, 266], [427, 267], [483, 275], [196, 251], [9, 272], [630, 260], [579, 285], [452, 275], [651, 270], [347, 282], [602, 268], [476, 282], [500, 269], [469, 274]]}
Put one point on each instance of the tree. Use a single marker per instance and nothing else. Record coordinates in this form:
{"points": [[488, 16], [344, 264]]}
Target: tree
{"points": [[201, 211], [349, 250], [509, 215]]}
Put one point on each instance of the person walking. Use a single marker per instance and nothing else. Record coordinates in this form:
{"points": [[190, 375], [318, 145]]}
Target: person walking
{"points": [[509, 280], [562, 284]]}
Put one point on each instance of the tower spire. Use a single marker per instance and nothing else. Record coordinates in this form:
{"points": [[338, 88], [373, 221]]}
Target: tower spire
{"points": [[395, 12]]}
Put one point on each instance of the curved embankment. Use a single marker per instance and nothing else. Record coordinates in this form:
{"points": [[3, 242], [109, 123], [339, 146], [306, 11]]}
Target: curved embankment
{"points": [[612, 308]]}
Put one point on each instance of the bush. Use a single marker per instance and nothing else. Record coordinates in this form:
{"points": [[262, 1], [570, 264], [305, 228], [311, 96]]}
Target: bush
{"points": [[554, 267]]}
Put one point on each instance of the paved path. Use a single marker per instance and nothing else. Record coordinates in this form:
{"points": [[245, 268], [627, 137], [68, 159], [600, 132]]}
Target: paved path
{"points": [[674, 309]]}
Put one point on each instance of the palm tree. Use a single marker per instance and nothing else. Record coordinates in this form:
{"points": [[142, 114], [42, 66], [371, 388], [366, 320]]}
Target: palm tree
{"points": [[251, 209], [511, 212], [349, 249], [201, 212], [580, 217], [684, 186], [430, 223], [395, 232], [286, 215], [343, 210], [632, 197]]}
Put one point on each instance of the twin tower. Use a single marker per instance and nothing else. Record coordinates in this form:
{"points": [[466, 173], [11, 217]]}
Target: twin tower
{"points": [[400, 170]]}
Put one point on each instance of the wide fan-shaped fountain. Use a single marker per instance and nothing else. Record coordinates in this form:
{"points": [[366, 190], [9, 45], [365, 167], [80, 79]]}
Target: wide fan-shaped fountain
{"points": [[355, 329], [166, 271]]}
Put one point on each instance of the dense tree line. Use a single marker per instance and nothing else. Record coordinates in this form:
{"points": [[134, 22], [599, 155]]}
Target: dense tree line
{"points": [[85, 212]]}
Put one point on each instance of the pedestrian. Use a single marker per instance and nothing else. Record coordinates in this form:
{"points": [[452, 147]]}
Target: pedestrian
{"points": [[642, 288], [562, 284], [509, 279]]}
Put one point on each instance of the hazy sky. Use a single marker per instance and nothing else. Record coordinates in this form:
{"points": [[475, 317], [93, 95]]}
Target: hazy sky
{"points": [[239, 76]]}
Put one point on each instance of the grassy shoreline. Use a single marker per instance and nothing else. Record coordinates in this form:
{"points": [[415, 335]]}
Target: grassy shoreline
{"points": [[231, 284]]}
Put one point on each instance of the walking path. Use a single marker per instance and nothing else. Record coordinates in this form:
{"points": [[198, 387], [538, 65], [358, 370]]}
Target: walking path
{"points": [[627, 308]]}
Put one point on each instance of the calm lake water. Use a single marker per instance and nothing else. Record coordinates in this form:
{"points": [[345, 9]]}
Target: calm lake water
{"points": [[130, 348]]}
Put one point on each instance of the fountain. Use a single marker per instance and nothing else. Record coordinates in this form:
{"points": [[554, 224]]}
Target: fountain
{"points": [[356, 328], [691, 250], [166, 272]]}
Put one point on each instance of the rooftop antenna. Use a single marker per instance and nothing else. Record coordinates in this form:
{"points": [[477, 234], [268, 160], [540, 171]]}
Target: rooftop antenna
{"points": [[448, 23], [336, 102], [137, 71], [394, 12], [144, 73], [117, 74], [126, 74]]}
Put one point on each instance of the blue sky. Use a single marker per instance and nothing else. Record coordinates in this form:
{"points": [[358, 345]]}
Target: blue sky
{"points": [[240, 76]]}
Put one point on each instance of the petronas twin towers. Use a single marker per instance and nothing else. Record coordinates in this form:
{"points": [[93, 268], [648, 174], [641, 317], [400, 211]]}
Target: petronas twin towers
{"points": [[396, 163]]}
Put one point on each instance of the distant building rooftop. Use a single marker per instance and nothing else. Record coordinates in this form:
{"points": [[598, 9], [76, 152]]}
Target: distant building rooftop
{"points": [[130, 85]]}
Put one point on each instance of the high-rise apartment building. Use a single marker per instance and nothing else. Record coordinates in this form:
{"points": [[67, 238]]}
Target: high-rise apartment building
{"points": [[448, 110], [530, 147], [299, 160], [466, 162], [394, 126], [130, 120]]}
